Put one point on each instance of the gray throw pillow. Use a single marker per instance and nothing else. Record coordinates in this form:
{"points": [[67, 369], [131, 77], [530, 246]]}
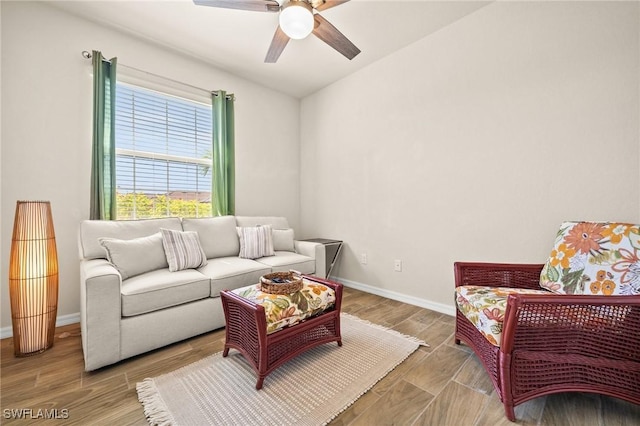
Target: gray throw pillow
{"points": [[283, 240], [136, 256], [183, 250]]}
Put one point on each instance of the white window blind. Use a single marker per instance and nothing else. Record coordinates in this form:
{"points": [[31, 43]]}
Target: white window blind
{"points": [[163, 155]]}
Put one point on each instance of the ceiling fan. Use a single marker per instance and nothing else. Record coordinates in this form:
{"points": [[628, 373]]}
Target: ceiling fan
{"points": [[297, 21]]}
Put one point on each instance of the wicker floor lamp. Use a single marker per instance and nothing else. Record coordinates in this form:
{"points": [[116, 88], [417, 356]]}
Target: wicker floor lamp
{"points": [[33, 278]]}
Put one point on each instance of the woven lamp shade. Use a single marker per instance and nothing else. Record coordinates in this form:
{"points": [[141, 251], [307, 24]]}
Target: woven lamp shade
{"points": [[33, 278]]}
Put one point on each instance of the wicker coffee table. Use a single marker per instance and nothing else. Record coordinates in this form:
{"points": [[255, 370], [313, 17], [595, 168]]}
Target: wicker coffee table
{"points": [[246, 331]]}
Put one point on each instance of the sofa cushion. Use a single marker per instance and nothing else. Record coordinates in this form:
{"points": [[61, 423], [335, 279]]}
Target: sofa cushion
{"points": [[125, 254], [91, 230], [283, 240], [228, 273], [285, 260], [256, 241], [284, 310], [162, 289], [218, 235], [183, 250], [276, 222], [596, 258], [485, 307]]}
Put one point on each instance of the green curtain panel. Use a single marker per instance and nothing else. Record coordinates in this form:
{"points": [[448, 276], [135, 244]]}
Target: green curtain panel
{"points": [[223, 184], [103, 160]]}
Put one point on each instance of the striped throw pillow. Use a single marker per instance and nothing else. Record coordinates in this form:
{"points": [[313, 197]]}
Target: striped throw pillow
{"points": [[183, 250], [256, 241]]}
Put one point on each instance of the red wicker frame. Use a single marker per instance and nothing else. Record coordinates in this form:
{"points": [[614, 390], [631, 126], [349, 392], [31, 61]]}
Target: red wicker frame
{"points": [[246, 331], [554, 343]]}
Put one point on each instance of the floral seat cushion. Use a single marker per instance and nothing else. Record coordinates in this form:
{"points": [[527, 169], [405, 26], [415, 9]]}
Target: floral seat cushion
{"points": [[485, 306], [597, 258], [284, 310]]}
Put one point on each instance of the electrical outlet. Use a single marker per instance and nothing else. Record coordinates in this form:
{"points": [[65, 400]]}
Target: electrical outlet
{"points": [[363, 258], [397, 265]]}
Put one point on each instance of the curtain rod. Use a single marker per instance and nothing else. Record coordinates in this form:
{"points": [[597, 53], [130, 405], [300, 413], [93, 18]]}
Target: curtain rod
{"points": [[231, 96]]}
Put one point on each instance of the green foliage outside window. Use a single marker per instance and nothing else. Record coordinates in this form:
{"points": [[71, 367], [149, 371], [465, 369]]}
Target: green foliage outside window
{"points": [[142, 206]]}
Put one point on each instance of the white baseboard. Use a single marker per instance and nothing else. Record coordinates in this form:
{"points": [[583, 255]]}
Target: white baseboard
{"points": [[400, 297], [60, 321]]}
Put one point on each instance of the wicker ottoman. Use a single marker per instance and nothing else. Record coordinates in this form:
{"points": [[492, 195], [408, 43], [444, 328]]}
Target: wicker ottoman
{"points": [[246, 331]]}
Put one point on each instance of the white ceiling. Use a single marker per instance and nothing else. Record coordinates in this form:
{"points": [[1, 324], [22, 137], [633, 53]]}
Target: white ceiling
{"points": [[237, 40]]}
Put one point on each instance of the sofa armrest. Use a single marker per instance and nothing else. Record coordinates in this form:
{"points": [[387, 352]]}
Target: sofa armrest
{"points": [[100, 313], [316, 251], [556, 343], [578, 343], [515, 275], [590, 326]]}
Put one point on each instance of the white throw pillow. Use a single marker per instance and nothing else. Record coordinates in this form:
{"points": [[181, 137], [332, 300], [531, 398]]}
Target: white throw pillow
{"points": [[136, 256], [183, 250], [283, 240], [256, 241]]}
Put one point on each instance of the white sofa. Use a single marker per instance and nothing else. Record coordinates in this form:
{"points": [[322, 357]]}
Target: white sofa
{"points": [[121, 318]]}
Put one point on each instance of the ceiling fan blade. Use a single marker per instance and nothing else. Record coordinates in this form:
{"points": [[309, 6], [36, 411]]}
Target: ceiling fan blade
{"points": [[334, 38], [326, 4], [254, 5], [279, 42]]}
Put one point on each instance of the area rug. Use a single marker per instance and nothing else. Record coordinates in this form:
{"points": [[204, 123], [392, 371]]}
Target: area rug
{"points": [[311, 389]]}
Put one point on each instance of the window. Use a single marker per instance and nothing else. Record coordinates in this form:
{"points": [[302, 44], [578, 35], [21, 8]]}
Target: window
{"points": [[163, 155]]}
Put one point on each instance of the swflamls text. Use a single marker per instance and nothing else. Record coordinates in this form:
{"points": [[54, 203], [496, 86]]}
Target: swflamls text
{"points": [[34, 414]]}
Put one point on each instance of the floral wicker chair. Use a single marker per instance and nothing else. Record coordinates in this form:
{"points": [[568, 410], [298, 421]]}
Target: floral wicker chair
{"points": [[570, 325]]}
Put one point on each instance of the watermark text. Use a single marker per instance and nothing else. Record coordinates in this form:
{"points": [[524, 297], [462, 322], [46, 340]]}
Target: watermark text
{"points": [[36, 413]]}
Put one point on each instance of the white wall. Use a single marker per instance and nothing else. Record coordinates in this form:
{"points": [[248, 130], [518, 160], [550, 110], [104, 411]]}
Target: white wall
{"points": [[475, 143], [46, 131]]}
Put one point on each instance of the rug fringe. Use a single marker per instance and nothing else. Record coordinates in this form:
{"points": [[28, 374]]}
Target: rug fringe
{"points": [[155, 409], [382, 327]]}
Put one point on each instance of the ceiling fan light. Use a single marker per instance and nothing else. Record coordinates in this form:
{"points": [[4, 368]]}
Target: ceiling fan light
{"points": [[296, 20]]}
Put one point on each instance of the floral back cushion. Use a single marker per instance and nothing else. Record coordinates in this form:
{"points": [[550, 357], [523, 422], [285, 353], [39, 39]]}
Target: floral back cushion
{"points": [[597, 258]]}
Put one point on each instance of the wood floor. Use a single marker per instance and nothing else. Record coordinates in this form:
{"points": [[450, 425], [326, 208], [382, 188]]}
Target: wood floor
{"points": [[442, 385]]}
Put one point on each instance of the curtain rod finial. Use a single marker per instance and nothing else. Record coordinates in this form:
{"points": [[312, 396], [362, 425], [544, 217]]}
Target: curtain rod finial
{"points": [[86, 55]]}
